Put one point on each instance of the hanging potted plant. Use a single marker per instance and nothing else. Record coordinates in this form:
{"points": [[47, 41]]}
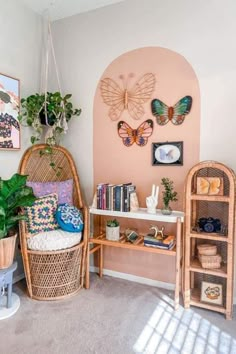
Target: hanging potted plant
{"points": [[48, 114], [13, 194], [169, 195]]}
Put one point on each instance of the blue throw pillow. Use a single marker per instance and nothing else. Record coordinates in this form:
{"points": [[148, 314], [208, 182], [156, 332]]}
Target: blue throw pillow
{"points": [[69, 218]]}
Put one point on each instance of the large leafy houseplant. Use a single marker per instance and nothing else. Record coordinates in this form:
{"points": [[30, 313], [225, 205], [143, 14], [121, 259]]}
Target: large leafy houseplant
{"points": [[51, 110], [14, 194]]}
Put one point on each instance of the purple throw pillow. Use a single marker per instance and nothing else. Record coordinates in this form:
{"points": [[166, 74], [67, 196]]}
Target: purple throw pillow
{"points": [[63, 189]]}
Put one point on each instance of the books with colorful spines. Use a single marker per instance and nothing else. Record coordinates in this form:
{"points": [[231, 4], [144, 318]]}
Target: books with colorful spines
{"points": [[167, 243]]}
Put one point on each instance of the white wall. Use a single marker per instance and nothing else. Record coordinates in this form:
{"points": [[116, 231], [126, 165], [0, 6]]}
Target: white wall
{"points": [[202, 31], [20, 48]]}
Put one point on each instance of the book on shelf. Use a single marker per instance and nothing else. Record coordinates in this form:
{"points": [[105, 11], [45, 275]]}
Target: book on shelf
{"points": [[128, 188], [160, 247], [166, 243]]}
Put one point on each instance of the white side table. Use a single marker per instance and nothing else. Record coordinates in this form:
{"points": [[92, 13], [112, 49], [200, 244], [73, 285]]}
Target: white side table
{"points": [[10, 302]]}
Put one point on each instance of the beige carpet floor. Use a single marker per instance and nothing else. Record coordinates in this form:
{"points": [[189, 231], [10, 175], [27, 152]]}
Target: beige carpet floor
{"points": [[114, 317]]}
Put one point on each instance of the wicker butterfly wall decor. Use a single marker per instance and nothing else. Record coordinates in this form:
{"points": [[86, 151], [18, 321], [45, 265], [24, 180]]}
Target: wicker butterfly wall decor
{"points": [[139, 136], [131, 99], [175, 114]]}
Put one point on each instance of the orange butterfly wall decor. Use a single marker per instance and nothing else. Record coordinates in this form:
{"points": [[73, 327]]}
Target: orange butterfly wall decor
{"points": [[139, 136], [131, 99]]}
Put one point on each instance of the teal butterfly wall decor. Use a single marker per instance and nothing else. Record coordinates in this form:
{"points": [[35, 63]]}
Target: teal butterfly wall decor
{"points": [[175, 114]]}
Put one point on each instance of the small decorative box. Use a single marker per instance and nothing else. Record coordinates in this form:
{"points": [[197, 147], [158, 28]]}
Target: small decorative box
{"points": [[207, 250]]}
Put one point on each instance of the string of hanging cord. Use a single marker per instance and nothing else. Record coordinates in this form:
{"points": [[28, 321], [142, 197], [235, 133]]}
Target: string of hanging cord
{"points": [[44, 76]]}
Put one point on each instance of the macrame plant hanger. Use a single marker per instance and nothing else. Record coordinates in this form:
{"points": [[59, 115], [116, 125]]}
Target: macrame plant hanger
{"points": [[60, 117]]}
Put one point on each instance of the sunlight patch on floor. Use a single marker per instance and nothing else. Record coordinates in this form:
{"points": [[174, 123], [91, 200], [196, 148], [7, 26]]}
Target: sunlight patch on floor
{"points": [[182, 331]]}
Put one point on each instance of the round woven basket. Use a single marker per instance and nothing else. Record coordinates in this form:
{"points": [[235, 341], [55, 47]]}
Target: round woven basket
{"points": [[55, 275]]}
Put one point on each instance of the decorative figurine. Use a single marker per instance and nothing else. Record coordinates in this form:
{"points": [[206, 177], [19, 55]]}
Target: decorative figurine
{"points": [[152, 200], [158, 233]]}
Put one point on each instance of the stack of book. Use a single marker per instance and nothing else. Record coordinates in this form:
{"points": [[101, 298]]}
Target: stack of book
{"points": [[167, 243], [114, 196]]}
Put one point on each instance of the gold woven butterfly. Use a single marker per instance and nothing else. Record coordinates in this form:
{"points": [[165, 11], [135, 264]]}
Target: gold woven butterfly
{"points": [[132, 99], [209, 185]]}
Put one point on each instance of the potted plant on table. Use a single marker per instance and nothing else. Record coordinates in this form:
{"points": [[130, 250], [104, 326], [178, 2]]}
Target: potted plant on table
{"points": [[169, 195], [13, 194], [113, 230]]}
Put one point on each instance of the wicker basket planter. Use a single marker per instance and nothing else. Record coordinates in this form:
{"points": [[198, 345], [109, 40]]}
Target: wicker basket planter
{"points": [[7, 251]]}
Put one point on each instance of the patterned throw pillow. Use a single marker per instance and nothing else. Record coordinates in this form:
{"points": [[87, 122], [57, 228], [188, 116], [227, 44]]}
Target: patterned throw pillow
{"points": [[41, 215], [69, 218], [63, 189]]}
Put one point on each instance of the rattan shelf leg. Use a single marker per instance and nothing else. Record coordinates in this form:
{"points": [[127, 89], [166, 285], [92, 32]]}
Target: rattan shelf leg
{"points": [[177, 263], [101, 261]]}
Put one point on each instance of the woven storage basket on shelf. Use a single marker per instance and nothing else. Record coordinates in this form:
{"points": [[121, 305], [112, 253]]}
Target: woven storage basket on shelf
{"points": [[207, 249], [210, 262], [52, 275]]}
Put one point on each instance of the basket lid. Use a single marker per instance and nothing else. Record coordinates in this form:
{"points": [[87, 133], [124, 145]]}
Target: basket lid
{"points": [[205, 246]]}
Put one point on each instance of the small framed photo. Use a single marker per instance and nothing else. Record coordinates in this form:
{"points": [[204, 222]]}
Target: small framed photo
{"points": [[167, 154], [212, 293]]}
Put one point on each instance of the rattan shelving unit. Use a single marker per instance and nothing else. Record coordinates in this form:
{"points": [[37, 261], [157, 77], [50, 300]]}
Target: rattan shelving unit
{"points": [[216, 206]]}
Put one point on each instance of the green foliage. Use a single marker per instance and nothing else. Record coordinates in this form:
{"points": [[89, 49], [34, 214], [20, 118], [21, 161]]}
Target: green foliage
{"points": [[113, 223], [169, 195], [54, 107], [13, 194]]}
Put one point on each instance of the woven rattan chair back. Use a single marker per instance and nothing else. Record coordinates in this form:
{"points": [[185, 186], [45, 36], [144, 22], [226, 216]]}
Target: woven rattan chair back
{"points": [[57, 274]]}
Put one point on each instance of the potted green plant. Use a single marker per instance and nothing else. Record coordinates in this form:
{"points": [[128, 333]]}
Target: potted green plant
{"points": [[168, 195], [52, 111], [112, 230], [14, 194]]}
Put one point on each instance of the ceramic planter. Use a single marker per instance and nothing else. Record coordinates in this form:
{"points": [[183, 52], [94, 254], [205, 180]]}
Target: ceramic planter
{"points": [[113, 233], [7, 251]]}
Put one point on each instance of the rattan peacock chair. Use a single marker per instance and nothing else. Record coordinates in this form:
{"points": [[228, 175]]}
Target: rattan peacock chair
{"points": [[52, 275]]}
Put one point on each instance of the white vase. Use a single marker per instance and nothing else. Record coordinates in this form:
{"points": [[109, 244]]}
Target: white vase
{"points": [[113, 233]]}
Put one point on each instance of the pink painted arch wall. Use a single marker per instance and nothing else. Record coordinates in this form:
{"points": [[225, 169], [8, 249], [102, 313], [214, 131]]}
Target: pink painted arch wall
{"points": [[116, 163]]}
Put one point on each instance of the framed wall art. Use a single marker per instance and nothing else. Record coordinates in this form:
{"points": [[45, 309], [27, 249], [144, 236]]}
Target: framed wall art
{"points": [[211, 293], [167, 154], [9, 111]]}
